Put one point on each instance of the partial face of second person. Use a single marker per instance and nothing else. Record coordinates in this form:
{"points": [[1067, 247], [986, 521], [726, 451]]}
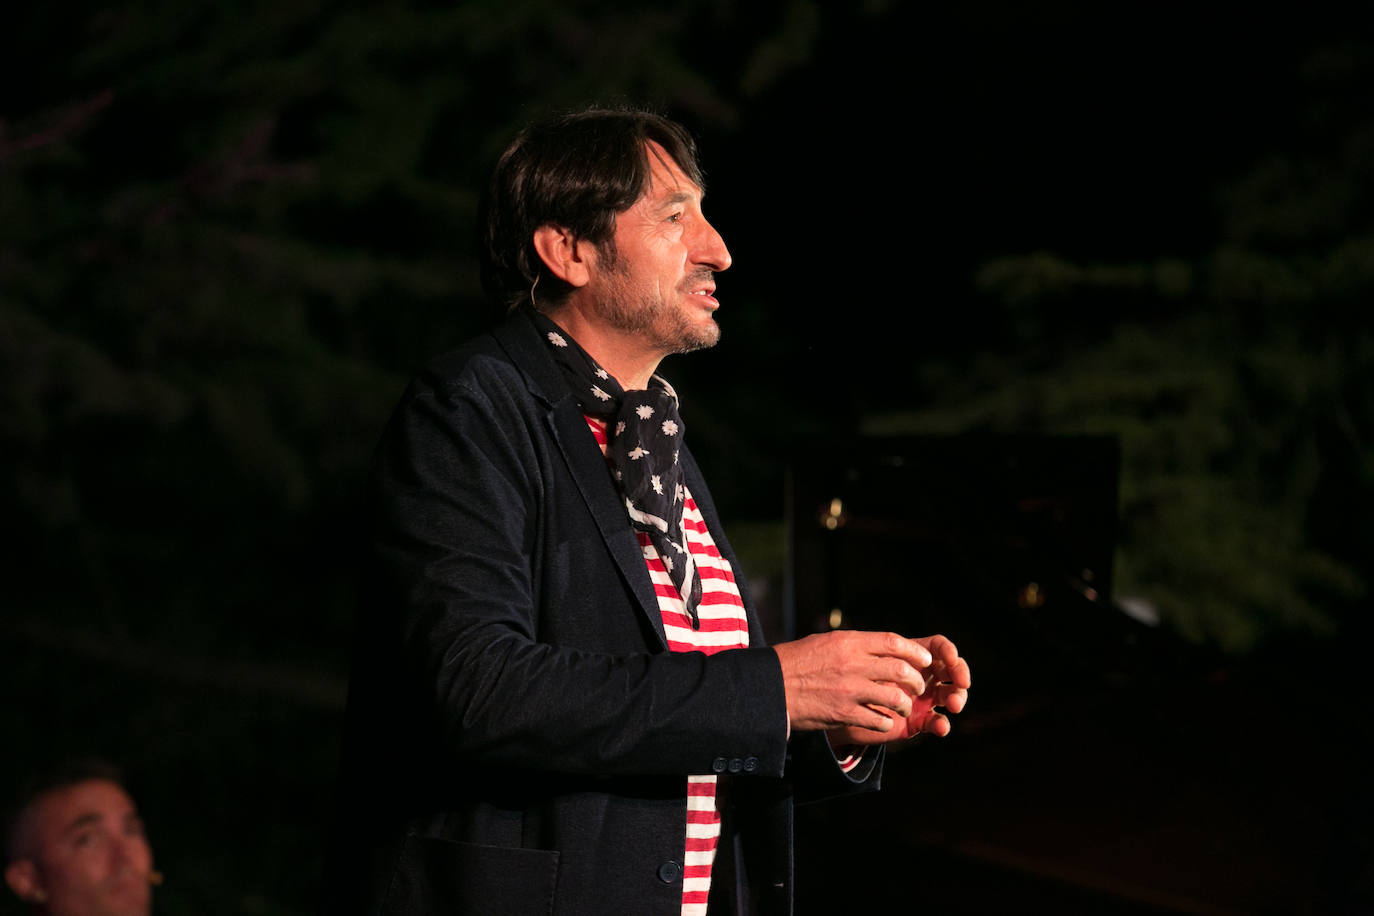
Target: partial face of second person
{"points": [[88, 852], [659, 281]]}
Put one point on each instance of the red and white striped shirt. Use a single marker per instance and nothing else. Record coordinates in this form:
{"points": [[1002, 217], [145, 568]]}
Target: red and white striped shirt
{"points": [[723, 626]]}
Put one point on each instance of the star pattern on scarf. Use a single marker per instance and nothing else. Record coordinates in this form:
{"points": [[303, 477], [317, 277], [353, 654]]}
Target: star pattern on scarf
{"points": [[644, 431]]}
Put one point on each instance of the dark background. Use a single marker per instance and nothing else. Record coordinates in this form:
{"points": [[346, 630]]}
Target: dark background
{"points": [[228, 233]]}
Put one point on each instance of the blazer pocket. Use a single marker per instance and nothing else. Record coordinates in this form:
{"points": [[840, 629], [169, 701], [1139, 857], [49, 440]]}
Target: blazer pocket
{"points": [[434, 875]]}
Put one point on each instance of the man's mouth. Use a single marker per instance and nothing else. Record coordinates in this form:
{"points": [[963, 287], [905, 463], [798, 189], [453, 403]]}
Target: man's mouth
{"points": [[708, 293]]}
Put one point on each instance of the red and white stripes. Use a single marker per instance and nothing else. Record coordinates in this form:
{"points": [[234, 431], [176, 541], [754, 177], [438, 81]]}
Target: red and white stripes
{"points": [[723, 626]]}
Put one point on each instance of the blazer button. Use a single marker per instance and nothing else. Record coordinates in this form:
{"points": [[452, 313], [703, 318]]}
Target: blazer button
{"points": [[751, 764], [736, 764], [718, 765], [669, 872]]}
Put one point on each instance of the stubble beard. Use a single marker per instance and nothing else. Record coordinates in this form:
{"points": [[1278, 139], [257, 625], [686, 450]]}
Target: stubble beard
{"points": [[664, 325]]}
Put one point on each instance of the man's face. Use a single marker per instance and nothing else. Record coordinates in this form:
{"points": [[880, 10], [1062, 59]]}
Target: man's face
{"points": [[86, 851], [656, 278]]}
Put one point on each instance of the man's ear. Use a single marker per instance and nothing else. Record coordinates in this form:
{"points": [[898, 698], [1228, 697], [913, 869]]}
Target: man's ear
{"points": [[564, 254], [22, 877]]}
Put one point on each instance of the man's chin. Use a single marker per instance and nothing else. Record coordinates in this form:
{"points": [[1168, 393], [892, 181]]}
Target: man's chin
{"points": [[699, 338]]}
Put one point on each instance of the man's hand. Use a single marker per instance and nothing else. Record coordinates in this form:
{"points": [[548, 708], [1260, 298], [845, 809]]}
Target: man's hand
{"points": [[871, 688], [851, 678], [947, 682]]}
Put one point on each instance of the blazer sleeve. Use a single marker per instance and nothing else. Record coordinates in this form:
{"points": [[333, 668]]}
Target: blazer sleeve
{"points": [[812, 768], [519, 634]]}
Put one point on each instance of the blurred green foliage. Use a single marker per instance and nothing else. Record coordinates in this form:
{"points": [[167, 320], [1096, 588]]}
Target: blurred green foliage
{"points": [[1240, 384]]}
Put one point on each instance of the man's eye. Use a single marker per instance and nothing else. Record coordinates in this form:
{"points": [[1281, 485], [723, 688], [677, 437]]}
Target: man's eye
{"points": [[83, 840], [675, 218]]}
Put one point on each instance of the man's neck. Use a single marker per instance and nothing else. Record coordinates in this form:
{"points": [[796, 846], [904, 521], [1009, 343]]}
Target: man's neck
{"points": [[621, 353]]}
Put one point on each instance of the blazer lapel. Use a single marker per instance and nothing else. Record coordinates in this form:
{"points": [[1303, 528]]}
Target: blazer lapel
{"points": [[566, 423]]}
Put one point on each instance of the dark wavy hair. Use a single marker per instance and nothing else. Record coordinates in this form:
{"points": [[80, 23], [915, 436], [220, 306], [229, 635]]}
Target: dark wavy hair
{"points": [[575, 170]]}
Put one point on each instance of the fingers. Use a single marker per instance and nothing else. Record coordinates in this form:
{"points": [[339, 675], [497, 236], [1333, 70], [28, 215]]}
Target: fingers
{"points": [[868, 680], [947, 663], [894, 645], [896, 671], [893, 658], [951, 698], [959, 674], [942, 649], [881, 719], [831, 680], [893, 697], [937, 725]]}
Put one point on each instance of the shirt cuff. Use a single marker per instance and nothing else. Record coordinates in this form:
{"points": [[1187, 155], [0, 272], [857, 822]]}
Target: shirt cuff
{"points": [[848, 756]]}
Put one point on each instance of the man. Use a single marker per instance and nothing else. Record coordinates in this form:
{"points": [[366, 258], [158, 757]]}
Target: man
{"points": [[76, 847], [562, 702]]}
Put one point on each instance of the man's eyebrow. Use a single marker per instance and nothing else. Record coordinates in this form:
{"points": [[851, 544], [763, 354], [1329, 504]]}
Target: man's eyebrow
{"points": [[84, 820], [681, 197]]}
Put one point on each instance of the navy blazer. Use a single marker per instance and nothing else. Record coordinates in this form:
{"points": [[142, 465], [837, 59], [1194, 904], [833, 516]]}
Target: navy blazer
{"points": [[518, 733]]}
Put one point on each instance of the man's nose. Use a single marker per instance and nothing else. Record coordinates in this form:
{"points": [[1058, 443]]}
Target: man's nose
{"points": [[120, 853], [127, 851], [710, 249]]}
